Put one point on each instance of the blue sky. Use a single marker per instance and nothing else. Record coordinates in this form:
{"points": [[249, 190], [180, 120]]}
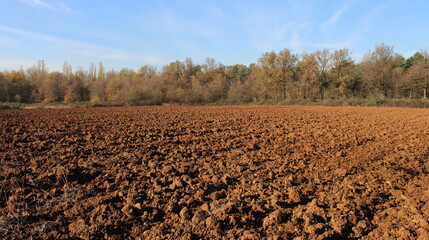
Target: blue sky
{"points": [[132, 33]]}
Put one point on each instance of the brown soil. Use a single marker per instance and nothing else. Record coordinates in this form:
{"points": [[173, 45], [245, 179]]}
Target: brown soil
{"points": [[215, 173]]}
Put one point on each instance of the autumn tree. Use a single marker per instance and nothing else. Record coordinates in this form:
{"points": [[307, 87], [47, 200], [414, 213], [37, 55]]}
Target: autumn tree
{"points": [[140, 88], [237, 73], [92, 72], [67, 70], [173, 84], [53, 87], [239, 85], [324, 64], [190, 70], [116, 90], [190, 84], [406, 64], [345, 77], [266, 75], [101, 71], [276, 72], [3, 91], [42, 70], [16, 87], [97, 83], [208, 71], [417, 76], [310, 86], [285, 64], [218, 87], [77, 88], [381, 70], [202, 83], [213, 77]]}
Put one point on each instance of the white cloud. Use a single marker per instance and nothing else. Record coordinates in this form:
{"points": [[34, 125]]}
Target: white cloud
{"points": [[59, 6]]}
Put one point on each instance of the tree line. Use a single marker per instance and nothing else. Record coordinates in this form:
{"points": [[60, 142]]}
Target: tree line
{"points": [[276, 77]]}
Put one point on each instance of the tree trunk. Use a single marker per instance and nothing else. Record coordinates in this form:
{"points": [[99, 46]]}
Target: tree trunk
{"points": [[284, 90], [425, 93]]}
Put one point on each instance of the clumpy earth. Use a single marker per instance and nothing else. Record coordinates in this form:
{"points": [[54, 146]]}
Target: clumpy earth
{"points": [[237, 172]]}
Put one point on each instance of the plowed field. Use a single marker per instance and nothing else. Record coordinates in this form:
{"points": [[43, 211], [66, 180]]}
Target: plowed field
{"points": [[215, 173]]}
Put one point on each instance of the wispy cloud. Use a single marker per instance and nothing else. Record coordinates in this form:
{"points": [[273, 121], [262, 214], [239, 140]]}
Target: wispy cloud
{"points": [[83, 48], [338, 14], [16, 31], [97, 53], [282, 24], [362, 25], [181, 26], [269, 33], [335, 45], [40, 4], [14, 64], [52, 39], [6, 42], [369, 17], [335, 17], [66, 8], [58, 7], [366, 21]]}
